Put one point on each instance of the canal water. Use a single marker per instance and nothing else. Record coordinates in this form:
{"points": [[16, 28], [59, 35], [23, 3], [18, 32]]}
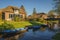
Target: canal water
{"points": [[38, 35]]}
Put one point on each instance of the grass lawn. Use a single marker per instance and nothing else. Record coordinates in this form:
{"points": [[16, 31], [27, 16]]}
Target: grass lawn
{"points": [[20, 24]]}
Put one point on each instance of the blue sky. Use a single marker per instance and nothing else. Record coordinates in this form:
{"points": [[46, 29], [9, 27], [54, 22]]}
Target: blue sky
{"points": [[40, 5]]}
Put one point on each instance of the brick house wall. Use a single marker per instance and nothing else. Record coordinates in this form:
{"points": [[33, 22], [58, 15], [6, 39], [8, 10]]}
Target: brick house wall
{"points": [[12, 10], [7, 15]]}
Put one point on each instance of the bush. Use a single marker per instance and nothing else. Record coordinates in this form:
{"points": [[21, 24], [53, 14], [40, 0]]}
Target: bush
{"points": [[6, 26]]}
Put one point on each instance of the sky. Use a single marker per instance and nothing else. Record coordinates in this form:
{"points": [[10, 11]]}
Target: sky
{"points": [[40, 5]]}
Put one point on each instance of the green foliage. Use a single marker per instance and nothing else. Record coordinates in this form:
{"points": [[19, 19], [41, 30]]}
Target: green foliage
{"points": [[20, 24], [41, 20], [57, 6], [51, 14], [6, 26], [36, 19], [16, 18], [35, 23], [57, 36]]}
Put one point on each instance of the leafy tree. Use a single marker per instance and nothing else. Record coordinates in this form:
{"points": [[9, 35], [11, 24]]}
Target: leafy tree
{"points": [[42, 20], [57, 10], [34, 14], [51, 14], [57, 6], [16, 18]]}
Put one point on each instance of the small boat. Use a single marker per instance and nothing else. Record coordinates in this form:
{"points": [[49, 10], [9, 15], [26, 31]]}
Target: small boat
{"points": [[9, 33], [36, 27]]}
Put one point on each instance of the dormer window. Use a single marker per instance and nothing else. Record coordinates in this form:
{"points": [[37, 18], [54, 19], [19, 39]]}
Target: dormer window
{"points": [[16, 11]]}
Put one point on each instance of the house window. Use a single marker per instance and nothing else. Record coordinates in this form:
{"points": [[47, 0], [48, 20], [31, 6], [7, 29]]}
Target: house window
{"points": [[18, 15], [21, 16], [3, 16], [16, 11], [10, 15]]}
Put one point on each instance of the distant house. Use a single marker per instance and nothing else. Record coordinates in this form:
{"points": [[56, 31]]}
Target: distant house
{"points": [[29, 17], [41, 15], [9, 12], [36, 15]]}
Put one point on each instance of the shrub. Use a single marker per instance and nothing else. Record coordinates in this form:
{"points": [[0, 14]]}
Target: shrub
{"points": [[6, 26]]}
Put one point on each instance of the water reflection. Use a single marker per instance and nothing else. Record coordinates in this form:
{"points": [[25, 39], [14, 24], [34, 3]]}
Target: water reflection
{"points": [[38, 35], [42, 33]]}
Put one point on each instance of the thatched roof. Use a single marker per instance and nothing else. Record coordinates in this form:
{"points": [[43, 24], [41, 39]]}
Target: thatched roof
{"points": [[12, 7], [9, 9]]}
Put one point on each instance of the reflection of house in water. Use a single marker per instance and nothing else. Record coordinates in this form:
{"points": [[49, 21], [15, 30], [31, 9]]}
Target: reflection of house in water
{"points": [[9, 12]]}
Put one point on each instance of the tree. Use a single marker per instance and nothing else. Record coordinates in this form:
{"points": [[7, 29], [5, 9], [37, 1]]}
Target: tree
{"points": [[34, 14], [6, 26], [57, 8], [16, 18], [51, 14], [34, 11]]}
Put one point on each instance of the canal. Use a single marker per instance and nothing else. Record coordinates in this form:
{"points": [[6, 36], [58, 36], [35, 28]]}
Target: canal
{"points": [[38, 35]]}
